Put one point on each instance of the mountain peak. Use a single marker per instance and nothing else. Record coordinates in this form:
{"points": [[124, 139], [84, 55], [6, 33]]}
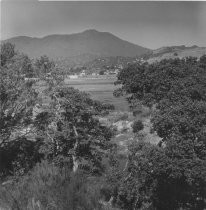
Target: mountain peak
{"points": [[91, 31]]}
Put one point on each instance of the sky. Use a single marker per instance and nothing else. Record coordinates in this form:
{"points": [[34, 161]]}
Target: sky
{"points": [[149, 24]]}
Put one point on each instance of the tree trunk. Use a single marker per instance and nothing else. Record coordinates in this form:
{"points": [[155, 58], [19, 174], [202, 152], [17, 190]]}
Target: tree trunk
{"points": [[74, 158]]}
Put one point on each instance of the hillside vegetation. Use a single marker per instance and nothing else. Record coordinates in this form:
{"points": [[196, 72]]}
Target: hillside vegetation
{"points": [[60, 149], [176, 52]]}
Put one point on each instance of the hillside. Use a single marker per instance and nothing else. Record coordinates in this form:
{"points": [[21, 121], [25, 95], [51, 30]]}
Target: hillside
{"points": [[175, 51], [105, 62], [152, 56], [79, 47]]}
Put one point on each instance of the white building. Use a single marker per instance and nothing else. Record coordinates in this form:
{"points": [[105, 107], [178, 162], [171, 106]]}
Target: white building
{"points": [[73, 76]]}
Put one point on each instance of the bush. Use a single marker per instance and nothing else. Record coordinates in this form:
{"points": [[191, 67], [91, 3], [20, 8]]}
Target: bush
{"points": [[120, 116], [142, 111], [49, 187], [137, 126], [102, 72], [123, 117], [18, 157]]}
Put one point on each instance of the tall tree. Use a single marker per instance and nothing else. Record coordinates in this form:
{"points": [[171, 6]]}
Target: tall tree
{"points": [[71, 130], [17, 100], [17, 96]]}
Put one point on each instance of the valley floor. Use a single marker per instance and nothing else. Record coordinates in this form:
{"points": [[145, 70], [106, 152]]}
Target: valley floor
{"points": [[100, 88]]}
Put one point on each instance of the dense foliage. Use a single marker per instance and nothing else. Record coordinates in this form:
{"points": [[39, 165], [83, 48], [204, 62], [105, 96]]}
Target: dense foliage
{"points": [[17, 99], [172, 174], [71, 131], [42, 118]]}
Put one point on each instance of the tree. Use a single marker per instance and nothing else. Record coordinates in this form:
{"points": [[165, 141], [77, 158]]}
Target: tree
{"points": [[7, 52], [17, 100], [27, 67], [17, 97], [159, 178], [44, 65], [71, 130], [171, 79], [137, 188], [177, 88]]}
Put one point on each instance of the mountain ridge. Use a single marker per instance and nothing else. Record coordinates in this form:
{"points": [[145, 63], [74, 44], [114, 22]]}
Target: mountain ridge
{"points": [[89, 41], [86, 46]]}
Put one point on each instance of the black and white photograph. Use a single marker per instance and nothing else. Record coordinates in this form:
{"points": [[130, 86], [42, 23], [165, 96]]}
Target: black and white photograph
{"points": [[102, 105]]}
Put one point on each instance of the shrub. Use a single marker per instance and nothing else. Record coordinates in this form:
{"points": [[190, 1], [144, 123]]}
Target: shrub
{"points": [[50, 187], [102, 72], [137, 126], [123, 117], [120, 116], [18, 157]]}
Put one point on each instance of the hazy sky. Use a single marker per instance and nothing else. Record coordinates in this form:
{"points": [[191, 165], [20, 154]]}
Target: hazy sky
{"points": [[149, 24]]}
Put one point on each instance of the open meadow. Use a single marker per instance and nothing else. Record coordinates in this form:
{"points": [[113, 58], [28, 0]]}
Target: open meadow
{"points": [[100, 88]]}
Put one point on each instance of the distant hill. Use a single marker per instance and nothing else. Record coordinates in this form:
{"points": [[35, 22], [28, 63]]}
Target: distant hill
{"points": [[109, 61], [79, 47], [175, 51]]}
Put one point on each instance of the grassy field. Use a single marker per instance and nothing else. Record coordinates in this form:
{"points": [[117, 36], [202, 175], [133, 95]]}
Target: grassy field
{"points": [[100, 88]]}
